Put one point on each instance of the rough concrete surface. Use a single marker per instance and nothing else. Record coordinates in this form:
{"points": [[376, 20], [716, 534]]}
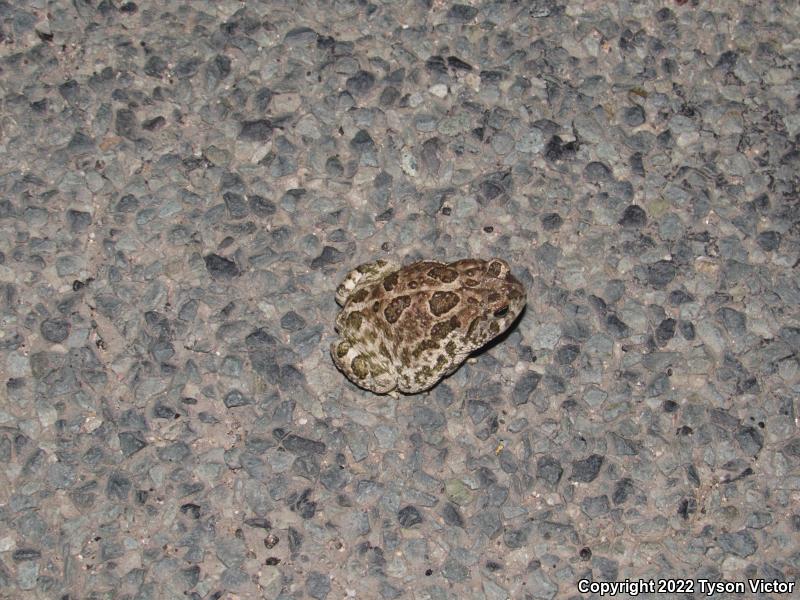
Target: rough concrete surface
{"points": [[184, 184]]}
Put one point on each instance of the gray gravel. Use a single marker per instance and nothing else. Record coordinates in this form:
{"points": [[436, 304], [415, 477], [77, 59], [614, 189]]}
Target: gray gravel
{"points": [[185, 183]]}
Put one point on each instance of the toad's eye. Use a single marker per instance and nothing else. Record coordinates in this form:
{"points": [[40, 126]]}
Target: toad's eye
{"points": [[501, 312]]}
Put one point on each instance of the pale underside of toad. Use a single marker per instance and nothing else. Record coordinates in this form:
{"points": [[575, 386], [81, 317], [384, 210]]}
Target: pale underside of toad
{"points": [[406, 328]]}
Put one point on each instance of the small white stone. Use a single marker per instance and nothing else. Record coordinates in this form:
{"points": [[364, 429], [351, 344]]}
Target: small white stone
{"points": [[625, 264], [439, 90], [46, 413], [778, 76], [91, 423], [18, 365], [286, 103], [408, 162]]}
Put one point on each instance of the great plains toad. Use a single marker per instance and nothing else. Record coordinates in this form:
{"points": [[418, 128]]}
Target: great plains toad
{"points": [[406, 328]]}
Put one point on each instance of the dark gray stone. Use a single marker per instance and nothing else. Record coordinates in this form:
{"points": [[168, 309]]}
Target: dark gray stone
{"points": [[329, 256], [70, 90], [769, 240], [130, 442], [661, 273], [566, 354], [186, 68], [540, 586], [454, 571], [259, 130], [220, 267], [78, 220], [739, 543], [488, 523], [750, 439], [551, 221], [478, 410], [623, 488], [409, 516], [462, 12], [759, 519], [734, 321], [516, 538], [261, 206], [597, 172], [300, 445], [549, 469], [665, 331], [155, 66], [236, 205], [301, 36], [595, 506], [361, 83], [587, 469], [291, 321], [334, 478], [55, 330], [616, 327], [362, 141], [678, 297], [429, 419], [452, 516], [687, 330], [176, 452], [235, 398], [633, 116], [607, 568], [657, 386], [25, 554], [118, 487], [126, 123], [633, 217], [389, 96]]}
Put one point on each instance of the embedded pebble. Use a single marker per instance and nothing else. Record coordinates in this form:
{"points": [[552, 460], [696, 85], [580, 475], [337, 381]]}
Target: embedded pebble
{"points": [[55, 330], [439, 90]]}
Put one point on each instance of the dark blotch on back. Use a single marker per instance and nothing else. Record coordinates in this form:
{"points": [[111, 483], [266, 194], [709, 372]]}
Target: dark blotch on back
{"points": [[396, 307], [360, 366], [443, 274], [472, 327], [494, 270], [405, 357], [425, 345], [360, 295], [514, 295], [389, 282], [442, 329], [354, 320], [442, 302]]}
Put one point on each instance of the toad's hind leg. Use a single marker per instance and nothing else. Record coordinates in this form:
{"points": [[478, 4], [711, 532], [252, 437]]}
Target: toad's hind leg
{"points": [[434, 359], [363, 366], [363, 275]]}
